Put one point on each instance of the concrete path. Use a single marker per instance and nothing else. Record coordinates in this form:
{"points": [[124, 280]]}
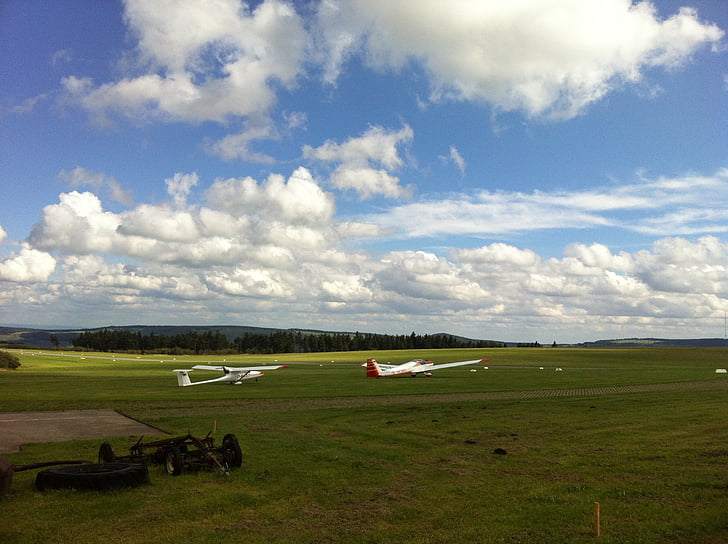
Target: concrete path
{"points": [[17, 428]]}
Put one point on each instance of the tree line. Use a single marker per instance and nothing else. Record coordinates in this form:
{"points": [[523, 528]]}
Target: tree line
{"points": [[208, 342]]}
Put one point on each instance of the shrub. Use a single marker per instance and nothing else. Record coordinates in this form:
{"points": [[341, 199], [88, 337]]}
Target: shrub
{"points": [[8, 360]]}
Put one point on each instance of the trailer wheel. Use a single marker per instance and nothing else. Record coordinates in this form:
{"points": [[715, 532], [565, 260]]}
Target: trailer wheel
{"points": [[106, 453], [173, 461], [231, 451], [93, 477]]}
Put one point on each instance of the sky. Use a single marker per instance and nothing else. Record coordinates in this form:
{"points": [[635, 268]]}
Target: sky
{"points": [[532, 170]]}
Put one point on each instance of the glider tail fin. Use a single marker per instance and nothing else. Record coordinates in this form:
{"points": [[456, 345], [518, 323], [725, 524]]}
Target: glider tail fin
{"points": [[373, 368], [183, 378]]}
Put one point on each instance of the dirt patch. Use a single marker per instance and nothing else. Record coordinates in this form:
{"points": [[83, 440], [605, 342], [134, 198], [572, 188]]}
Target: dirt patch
{"points": [[17, 428]]}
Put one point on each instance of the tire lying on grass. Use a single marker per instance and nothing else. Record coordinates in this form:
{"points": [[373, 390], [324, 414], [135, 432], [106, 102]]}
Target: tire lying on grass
{"points": [[106, 453], [6, 475], [93, 477]]}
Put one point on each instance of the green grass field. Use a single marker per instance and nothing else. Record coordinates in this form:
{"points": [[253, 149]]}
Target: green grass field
{"points": [[331, 456]]}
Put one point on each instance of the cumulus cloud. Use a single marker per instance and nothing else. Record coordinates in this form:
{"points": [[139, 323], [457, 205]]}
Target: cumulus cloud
{"points": [[590, 280], [194, 63], [201, 62], [299, 200], [364, 164], [498, 254], [274, 247], [545, 58], [251, 282], [29, 265], [159, 223], [77, 224], [273, 222], [599, 256], [424, 275]]}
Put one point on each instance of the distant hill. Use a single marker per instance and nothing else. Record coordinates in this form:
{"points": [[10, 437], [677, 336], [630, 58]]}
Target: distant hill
{"points": [[43, 338], [40, 338], [657, 343]]}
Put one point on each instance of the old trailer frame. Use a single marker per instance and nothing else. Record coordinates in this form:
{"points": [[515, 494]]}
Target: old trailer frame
{"points": [[181, 453]]}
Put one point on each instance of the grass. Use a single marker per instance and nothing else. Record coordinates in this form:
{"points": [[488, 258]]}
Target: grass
{"points": [[333, 457]]}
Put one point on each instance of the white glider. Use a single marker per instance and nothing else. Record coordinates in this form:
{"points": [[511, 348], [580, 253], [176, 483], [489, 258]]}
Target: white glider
{"points": [[232, 375]]}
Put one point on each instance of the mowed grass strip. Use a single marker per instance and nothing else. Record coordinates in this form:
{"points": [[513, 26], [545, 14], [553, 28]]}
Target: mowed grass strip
{"points": [[53, 380], [362, 460]]}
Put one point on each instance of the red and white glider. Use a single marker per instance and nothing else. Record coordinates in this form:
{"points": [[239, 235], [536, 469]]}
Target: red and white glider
{"points": [[413, 367]]}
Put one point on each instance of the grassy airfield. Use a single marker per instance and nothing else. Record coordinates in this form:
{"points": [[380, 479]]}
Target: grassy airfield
{"points": [[331, 456]]}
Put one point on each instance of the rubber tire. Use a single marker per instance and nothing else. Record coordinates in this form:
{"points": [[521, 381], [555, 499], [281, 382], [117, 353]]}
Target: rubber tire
{"points": [[231, 452], [106, 453], [93, 477], [173, 462], [6, 475]]}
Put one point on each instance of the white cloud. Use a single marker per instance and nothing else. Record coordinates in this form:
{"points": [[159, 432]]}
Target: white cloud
{"points": [[179, 187], [543, 57], [275, 250], [487, 214], [671, 206], [238, 146], [251, 282], [497, 291], [83, 177], [160, 224], [357, 229], [369, 182], [376, 145], [62, 56], [347, 289], [599, 256], [28, 105], [423, 275], [3, 235], [203, 61], [93, 281], [273, 223], [498, 254], [30, 265], [299, 200], [457, 158], [364, 163], [216, 223], [678, 266], [77, 225]]}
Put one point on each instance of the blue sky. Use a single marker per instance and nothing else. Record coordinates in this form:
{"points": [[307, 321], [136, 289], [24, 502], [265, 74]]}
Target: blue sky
{"points": [[550, 170]]}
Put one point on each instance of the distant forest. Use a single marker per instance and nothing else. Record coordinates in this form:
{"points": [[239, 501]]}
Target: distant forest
{"points": [[208, 342]]}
